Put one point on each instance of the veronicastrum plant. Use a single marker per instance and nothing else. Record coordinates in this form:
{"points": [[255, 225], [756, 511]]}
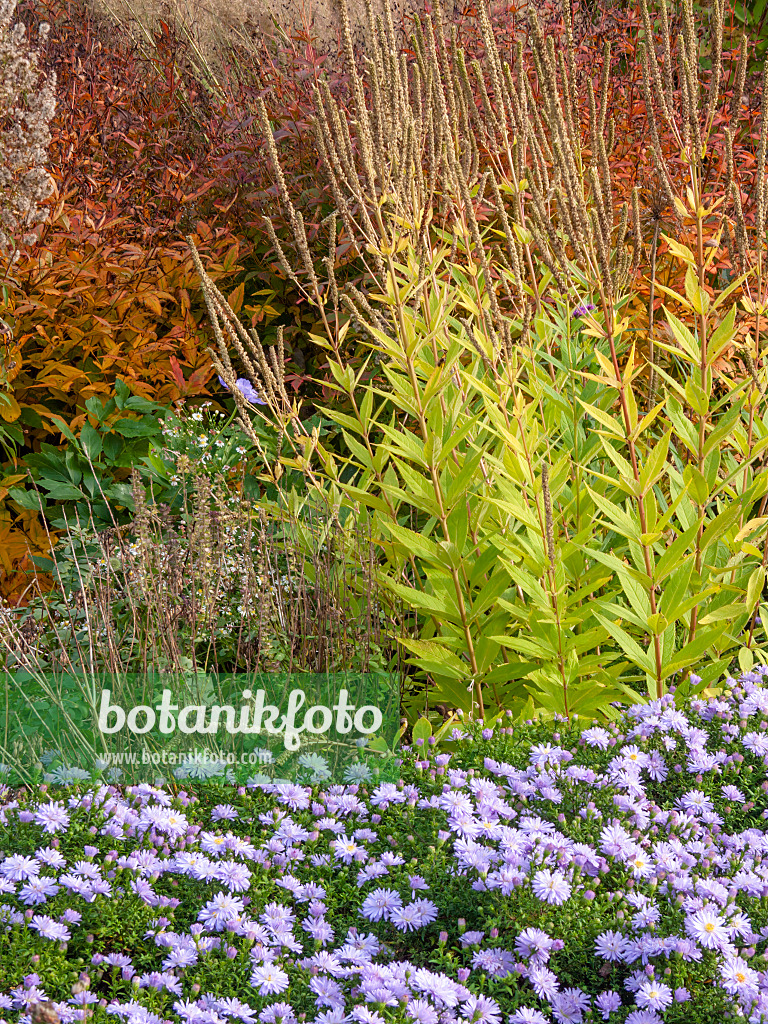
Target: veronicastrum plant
{"points": [[547, 545]]}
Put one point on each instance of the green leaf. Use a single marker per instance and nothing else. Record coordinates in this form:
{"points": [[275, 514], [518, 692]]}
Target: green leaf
{"points": [[654, 467], [433, 657], [697, 399], [366, 408], [676, 589], [26, 499], [724, 612], [717, 526], [46, 564], [698, 487], [739, 280], [533, 648], [122, 393], [694, 651], [675, 553], [431, 604], [91, 441], [616, 429], [422, 730], [722, 336], [414, 542], [683, 426], [492, 590], [696, 296], [625, 469], [95, 407], [64, 429], [683, 337], [136, 428], [112, 446], [63, 492], [746, 659], [623, 524], [630, 647], [754, 588]]}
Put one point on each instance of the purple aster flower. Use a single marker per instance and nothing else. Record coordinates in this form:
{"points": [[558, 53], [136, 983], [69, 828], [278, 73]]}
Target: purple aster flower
{"points": [[526, 1015], [425, 910], [707, 928], [234, 875], [739, 979], [269, 980], [366, 1016], [481, 1010], [544, 981], [732, 793], [18, 868], [50, 929], [380, 904], [247, 389], [52, 817], [180, 957], [607, 1003], [597, 737], [335, 1015], [583, 309], [421, 1011], [347, 850], [611, 946], [50, 856], [551, 887], [222, 908], [569, 1006], [533, 942], [409, 918], [224, 811], [496, 963], [643, 1017], [320, 930], [327, 992], [37, 890], [653, 995], [278, 1013]]}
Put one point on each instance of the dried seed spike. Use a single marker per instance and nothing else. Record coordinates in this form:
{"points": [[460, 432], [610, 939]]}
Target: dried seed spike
{"points": [[548, 513], [604, 85], [658, 154], [758, 191], [622, 249], [637, 234], [741, 75], [716, 22], [650, 66], [667, 70]]}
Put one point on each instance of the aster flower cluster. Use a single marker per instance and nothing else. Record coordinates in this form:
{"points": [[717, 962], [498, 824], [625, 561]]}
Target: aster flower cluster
{"points": [[534, 875]]}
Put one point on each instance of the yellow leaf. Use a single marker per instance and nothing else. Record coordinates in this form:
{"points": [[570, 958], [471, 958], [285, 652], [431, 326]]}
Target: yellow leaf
{"points": [[149, 299], [679, 250], [10, 409]]}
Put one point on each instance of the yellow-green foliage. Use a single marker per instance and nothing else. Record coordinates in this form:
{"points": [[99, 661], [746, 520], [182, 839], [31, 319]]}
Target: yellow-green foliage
{"points": [[545, 542]]}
